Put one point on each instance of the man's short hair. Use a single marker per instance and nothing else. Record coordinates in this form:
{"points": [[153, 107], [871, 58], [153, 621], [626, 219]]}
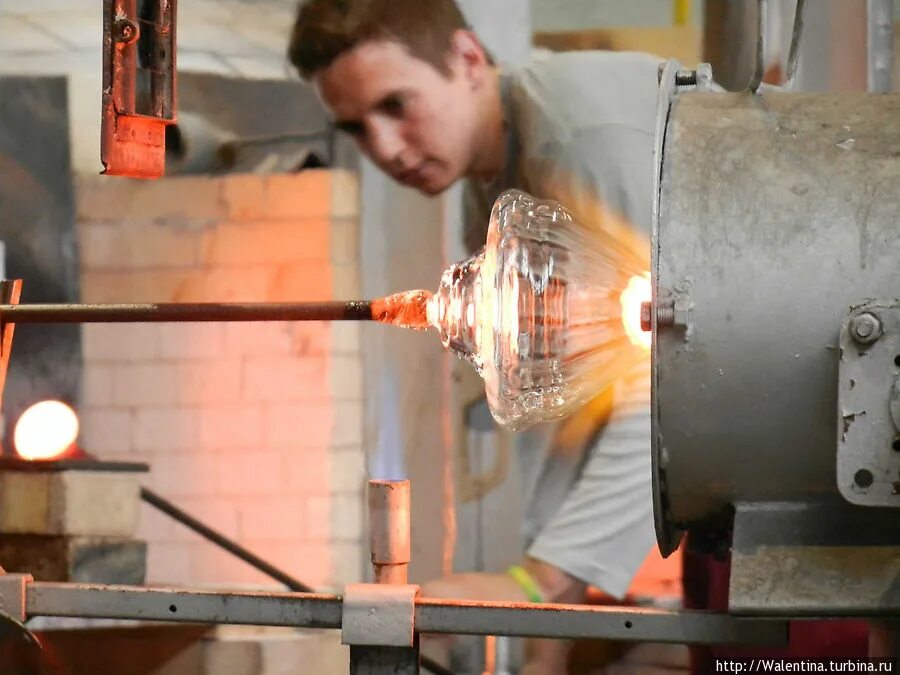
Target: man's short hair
{"points": [[325, 29]]}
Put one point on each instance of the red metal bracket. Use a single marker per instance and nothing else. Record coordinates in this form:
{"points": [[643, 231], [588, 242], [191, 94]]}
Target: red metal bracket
{"points": [[138, 85], [10, 291]]}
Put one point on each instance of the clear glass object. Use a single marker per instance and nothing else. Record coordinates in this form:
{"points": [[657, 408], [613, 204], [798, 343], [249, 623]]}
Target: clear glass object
{"points": [[548, 312]]}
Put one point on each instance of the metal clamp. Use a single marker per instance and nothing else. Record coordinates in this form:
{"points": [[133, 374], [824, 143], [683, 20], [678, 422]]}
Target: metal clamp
{"points": [[379, 615], [12, 594], [868, 429]]}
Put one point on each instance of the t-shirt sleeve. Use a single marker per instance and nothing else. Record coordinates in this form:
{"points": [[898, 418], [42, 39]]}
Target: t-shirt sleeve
{"points": [[602, 174], [586, 123], [476, 215]]}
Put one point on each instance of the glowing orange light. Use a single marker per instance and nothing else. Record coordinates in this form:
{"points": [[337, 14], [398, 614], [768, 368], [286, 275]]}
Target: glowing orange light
{"points": [[637, 291], [46, 430]]}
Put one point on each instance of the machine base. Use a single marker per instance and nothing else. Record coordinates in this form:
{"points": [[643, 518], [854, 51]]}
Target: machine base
{"points": [[802, 560]]}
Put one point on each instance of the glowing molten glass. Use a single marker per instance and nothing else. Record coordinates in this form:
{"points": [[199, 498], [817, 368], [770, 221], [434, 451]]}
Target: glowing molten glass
{"points": [[539, 310], [636, 292], [46, 430]]}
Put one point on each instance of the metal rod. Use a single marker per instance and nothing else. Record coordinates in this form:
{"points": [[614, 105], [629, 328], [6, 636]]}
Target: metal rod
{"points": [[880, 45], [589, 622], [353, 310], [278, 138], [222, 541], [432, 616], [794, 54], [125, 57], [390, 552], [760, 68], [92, 601], [162, 66]]}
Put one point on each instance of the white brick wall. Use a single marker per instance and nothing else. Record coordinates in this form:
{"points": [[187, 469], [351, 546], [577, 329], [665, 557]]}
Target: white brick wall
{"points": [[254, 428]]}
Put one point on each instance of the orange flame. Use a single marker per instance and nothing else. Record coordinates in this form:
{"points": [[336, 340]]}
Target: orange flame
{"points": [[46, 430], [637, 292]]}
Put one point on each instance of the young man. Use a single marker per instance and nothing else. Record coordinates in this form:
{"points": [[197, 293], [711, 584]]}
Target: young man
{"points": [[422, 98]]}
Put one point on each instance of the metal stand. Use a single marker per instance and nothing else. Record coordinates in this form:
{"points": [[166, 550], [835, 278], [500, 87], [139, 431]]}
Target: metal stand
{"points": [[389, 643], [382, 622], [385, 660]]}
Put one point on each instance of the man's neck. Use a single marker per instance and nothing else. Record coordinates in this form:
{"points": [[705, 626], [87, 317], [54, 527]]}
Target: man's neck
{"points": [[490, 149]]}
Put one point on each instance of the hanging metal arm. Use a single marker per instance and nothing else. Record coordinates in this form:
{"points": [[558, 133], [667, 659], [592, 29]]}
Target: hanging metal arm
{"points": [[760, 69], [880, 45], [793, 56]]}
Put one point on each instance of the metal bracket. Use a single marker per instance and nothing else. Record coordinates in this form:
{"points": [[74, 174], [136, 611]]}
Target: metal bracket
{"points": [[12, 594], [868, 433], [833, 559], [138, 85], [379, 615], [10, 292]]}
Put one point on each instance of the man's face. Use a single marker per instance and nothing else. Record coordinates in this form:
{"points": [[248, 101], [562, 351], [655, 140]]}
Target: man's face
{"points": [[416, 123]]}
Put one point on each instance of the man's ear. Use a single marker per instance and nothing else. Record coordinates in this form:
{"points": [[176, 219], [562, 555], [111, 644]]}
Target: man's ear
{"points": [[469, 55]]}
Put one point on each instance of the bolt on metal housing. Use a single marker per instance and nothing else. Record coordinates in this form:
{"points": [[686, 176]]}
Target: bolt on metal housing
{"points": [[865, 328]]}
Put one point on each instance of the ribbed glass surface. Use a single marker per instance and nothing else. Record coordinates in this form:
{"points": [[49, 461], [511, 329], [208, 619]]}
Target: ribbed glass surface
{"points": [[539, 311]]}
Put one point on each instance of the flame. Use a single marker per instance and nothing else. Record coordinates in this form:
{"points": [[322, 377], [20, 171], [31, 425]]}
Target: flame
{"points": [[46, 430], [637, 292]]}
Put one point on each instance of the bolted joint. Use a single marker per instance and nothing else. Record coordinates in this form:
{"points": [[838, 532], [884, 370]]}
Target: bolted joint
{"points": [[125, 31], [865, 328], [666, 314], [686, 78]]}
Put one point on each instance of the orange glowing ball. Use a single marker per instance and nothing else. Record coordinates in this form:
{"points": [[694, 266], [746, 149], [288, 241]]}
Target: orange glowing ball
{"points": [[636, 292], [46, 430]]}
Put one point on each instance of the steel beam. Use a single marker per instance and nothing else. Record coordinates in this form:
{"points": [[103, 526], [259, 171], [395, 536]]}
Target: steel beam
{"points": [[590, 622], [97, 601], [310, 610]]}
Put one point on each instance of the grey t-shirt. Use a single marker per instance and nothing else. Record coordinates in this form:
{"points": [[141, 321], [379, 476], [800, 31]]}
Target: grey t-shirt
{"points": [[581, 129]]}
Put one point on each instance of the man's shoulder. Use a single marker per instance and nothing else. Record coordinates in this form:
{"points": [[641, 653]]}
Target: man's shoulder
{"points": [[593, 69], [566, 92], [547, 63], [584, 127]]}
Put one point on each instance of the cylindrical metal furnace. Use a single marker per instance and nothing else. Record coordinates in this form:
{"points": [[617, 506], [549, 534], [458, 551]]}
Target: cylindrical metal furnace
{"points": [[777, 221]]}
